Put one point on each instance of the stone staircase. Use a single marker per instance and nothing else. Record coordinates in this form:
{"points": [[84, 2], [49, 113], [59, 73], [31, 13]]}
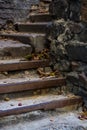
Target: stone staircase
{"points": [[22, 90]]}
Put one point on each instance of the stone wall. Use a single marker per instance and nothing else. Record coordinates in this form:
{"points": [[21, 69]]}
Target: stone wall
{"points": [[68, 43], [67, 9], [68, 53], [16, 10]]}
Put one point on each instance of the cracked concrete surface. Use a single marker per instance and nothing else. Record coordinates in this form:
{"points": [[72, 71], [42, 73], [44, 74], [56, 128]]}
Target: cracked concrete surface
{"points": [[40, 120]]}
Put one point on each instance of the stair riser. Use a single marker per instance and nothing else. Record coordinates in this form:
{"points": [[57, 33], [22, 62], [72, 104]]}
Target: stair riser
{"points": [[31, 85], [34, 93], [12, 52], [32, 28], [42, 106], [40, 18]]}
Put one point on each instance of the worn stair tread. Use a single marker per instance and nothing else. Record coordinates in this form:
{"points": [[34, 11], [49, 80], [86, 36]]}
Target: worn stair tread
{"points": [[13, 33], [19, 64], [26, 38], [31, 100], [29, 23], [33, 103], [10, 43], [22, 84], [41, 14]]}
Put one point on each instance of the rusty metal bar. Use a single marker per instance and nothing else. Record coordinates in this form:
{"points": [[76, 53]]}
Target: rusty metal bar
{"points": [[22, 65], [31, 85], [46, 106]]}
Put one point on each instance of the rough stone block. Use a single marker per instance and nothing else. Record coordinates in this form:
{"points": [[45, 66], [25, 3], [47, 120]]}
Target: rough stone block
{"points": [[9, 48], [77, 51], [73, 78]]}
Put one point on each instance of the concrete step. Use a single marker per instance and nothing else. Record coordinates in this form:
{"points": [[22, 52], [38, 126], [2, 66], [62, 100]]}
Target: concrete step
{"points": [[40, 17], [11, 85], [44, 102], [38, 27], [37, 41], [19, 64], [13, 49]]}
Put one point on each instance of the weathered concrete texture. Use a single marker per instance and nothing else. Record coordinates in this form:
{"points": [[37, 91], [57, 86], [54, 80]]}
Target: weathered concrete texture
{"points": [[16, 10], [50, 120], [38, 42], [9, 48]]}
